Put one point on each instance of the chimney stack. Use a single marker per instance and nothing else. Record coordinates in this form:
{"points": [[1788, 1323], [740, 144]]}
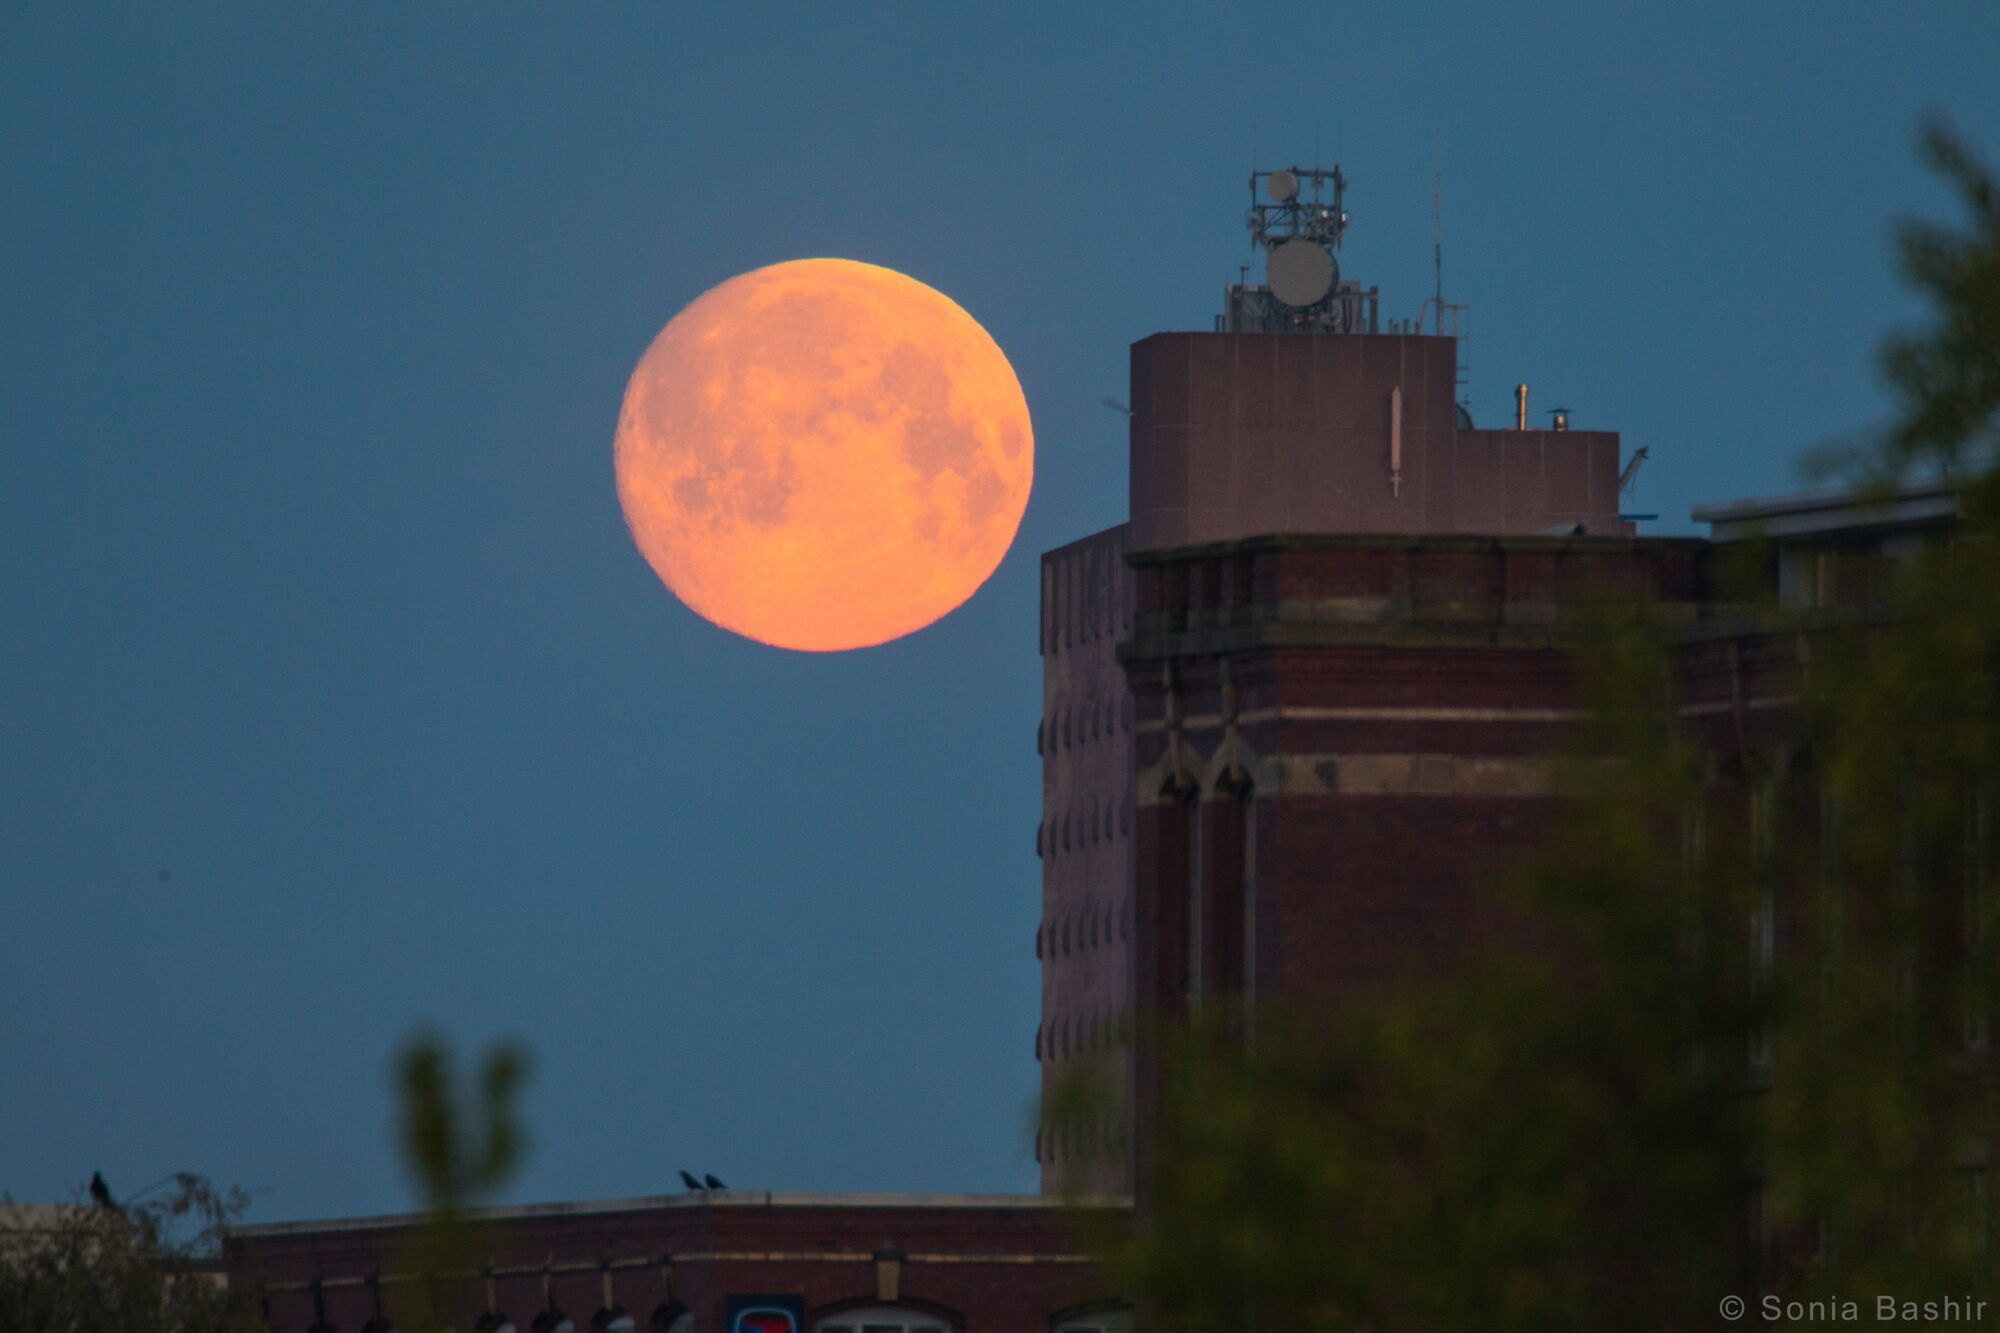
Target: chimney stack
{"points": [[1520, 407]]}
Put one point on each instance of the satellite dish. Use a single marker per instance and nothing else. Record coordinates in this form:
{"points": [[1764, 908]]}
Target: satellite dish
{"points": [[1282, 186], [1300, 271]]}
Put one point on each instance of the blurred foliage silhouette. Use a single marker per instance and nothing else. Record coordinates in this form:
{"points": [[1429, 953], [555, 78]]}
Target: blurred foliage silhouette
{"points": [[1740, 1044], [1882, 1115], [98, 1267], [460, 1148]]}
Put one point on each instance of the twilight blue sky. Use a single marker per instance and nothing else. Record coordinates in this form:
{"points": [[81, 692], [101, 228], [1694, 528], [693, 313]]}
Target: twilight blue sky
{"points": [[314, 593]]}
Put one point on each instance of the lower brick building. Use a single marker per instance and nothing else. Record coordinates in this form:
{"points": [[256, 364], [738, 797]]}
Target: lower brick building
{"points": [[850, 1263]]}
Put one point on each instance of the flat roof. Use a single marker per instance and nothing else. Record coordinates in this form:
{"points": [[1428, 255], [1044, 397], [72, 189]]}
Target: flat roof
{"points": [[662, 1202], [1806, 512]]}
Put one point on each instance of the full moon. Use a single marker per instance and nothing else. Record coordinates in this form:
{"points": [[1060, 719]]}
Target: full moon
{"points": [[823, 455]]}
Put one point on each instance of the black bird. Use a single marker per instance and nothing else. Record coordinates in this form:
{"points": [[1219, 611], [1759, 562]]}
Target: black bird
{"points": [[100, 1191], [713, 1183], [690, 1181]]}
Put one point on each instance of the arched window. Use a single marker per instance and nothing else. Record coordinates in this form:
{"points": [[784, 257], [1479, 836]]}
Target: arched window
{"points": [[1107, 1318], [883, 1319], [1249, 815]]}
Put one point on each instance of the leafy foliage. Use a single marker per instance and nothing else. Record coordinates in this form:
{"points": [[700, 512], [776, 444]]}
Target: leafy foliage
{"points": [[95, 1268], [1948, 375], [460, 1149], [1881, 1131]]}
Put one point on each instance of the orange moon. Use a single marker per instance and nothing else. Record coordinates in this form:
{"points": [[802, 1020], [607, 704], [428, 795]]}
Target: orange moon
{"points": [[823, 455]]}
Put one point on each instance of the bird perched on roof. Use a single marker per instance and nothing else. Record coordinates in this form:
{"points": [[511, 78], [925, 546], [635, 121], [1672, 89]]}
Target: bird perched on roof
{"points": [[692, 1184], [713, 1183], [100, 1191]]}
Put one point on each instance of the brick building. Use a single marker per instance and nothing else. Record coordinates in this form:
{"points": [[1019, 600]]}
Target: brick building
{"points": [[1331, 621], [683, 1262]]}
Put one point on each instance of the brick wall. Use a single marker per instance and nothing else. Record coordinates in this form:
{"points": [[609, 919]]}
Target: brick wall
{"points": [[987, 1266], [1341, 739]]}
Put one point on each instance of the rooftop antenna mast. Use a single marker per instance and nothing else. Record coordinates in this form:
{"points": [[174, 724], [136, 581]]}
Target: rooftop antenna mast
{"points": [[1449, 319], [1296, 229]]}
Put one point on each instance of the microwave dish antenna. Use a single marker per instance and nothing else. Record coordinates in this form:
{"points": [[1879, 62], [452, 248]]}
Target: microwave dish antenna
{"points": [[1301, 272]]}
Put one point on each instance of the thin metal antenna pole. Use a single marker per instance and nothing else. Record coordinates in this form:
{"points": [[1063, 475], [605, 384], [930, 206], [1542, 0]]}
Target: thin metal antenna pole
{"points": [[1437, 222]]}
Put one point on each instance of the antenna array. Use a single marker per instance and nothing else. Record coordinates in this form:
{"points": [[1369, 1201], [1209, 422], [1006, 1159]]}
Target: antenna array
{"points": [[1297, 220]]}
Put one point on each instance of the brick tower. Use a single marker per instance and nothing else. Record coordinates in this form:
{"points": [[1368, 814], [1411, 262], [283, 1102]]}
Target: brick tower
{"points": [[1303, 698]]}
